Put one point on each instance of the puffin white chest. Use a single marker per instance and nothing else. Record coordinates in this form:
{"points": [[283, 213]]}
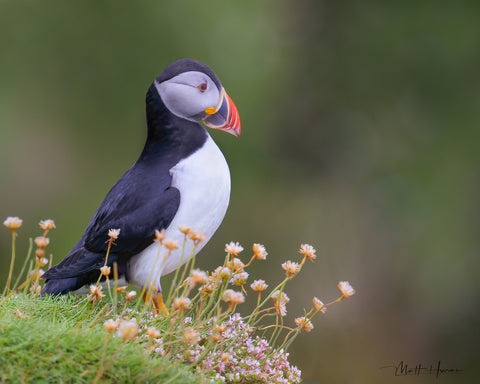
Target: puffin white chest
{"points": [[203, 180]]}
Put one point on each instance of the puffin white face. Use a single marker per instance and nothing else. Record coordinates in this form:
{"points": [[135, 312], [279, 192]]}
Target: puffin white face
{"points": [[189, 94], [194, 96]]}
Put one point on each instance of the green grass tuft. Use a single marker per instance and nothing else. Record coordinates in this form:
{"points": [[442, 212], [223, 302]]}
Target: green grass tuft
{"points": [[49, 340]]}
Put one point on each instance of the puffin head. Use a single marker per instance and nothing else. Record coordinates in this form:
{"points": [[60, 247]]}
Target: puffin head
{"points": [[192, 91]]}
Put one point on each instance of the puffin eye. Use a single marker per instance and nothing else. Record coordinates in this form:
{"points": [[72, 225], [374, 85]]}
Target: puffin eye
{"points": [[202, 87]]}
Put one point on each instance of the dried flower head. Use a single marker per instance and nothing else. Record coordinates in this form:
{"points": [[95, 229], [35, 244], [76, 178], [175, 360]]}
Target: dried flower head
{"points": [[233, 248], [106, 270], [236, 265], [232, 297], [304, 324], [181, 304], [128, 329], [37, 273], [225, 357], [280, 301], [170, 244], [13, 223], [110, 325], [220, 328], [46, 225], [42, 261], [346, 288], [308, 251], [96, 292], [159, 235], [198, 277], [122, 289], [224, 272], [318, 305], [153, 332], [130, 296], [239, 278], [40, 252], [291, 268], [259, 286], [191, 336], [196, 236], [42, 242], [259, 251], [184, 229], [114, 233]]}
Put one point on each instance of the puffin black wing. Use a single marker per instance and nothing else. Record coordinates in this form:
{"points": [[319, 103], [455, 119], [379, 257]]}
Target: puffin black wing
{"points": [[137, 205]]}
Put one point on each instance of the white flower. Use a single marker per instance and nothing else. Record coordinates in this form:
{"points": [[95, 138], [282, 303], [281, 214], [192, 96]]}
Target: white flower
{"points": [[318, 305], [259, 251], [114, 233], [346, 288], [233, 248], [128, 329], [13, 222]]}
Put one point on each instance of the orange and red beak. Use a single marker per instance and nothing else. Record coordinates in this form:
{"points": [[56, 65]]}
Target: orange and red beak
{"points": [[224, 116]]}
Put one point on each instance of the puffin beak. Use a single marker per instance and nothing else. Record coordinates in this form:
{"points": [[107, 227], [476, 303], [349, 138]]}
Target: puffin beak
{"points": [[224, 116]]}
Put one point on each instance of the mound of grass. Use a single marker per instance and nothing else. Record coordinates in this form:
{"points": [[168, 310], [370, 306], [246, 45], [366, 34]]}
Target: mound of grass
{"points": [[50, 340]]}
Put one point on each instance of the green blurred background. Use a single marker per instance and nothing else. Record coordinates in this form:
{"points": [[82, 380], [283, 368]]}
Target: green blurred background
{"points": [[360, 132]]}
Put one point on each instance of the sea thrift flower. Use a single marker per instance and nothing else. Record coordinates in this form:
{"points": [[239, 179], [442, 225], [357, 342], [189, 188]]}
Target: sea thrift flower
{"points": [[280, 302], [128, 329], [225, 272], [13, 223], [159, 235], [259, 251], [291, 268], [308, 251], [170, 244], [233, 248], [130, 296], [114, 233], [304, 324], [318, 305], [259, 286], [110, 325], [105, 270], [37, 273], [184, 229], [237, 265], [233, 298], [42, 261], [46, 225], [153, 332], [40, 252], [239, 278], [191, 336], [196, 236], [96, 292], [346, 288], [181, 304], [42, 242], [198, 277], [122, 289]]}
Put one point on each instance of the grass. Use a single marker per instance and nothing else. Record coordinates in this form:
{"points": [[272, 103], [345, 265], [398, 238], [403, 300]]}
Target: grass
{"points": [[50, 341]]}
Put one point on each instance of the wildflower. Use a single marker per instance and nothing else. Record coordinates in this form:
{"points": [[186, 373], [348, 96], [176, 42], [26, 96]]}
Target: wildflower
{"points": [[42, 242], [36, 289], [182, 304], [46, 225], [225, 357], [304, 324], [233, 248], [122, 289], [113, 234], [159, 235], [280, 301], [259, 286], [40, 252], [128, 329], [308, 251], [191, 336], [233, 298], [110, 325], [96, 292], [220, 328], [237, 265], [198, 277], [259, 251], [13, 223], [239, 278], [37, 273], [153, 332], [196, 236], [170, 244], [318, 305], [291, 268], [130, 296], [225, 272], [105, 270], [42, 261], [346, 288], [184, 229]]}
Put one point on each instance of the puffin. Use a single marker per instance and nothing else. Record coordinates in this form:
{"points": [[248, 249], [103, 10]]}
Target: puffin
{"points": [[180, 179]]}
